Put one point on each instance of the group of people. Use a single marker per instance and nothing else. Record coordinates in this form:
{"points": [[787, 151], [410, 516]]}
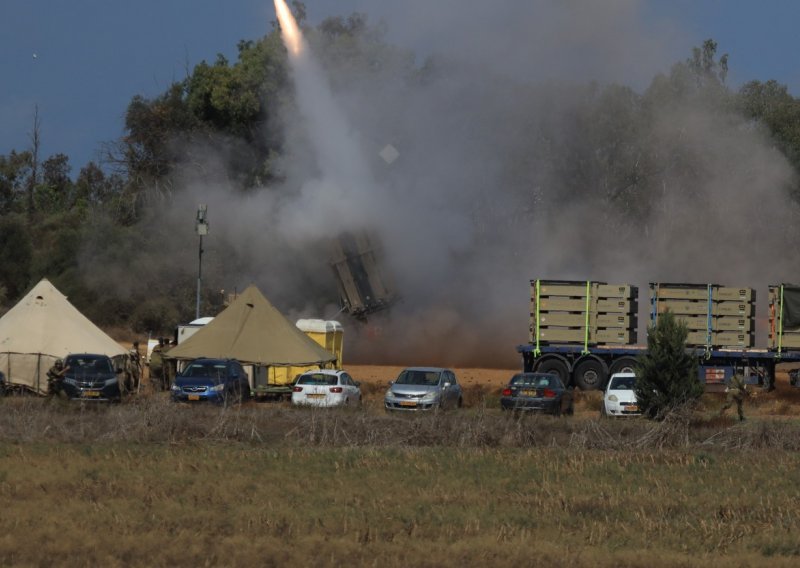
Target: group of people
{"points": [[161, 370]]}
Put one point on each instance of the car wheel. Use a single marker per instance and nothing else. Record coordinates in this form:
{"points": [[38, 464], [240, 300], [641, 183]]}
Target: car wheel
{"points": [[603, 413], [460, 403]]}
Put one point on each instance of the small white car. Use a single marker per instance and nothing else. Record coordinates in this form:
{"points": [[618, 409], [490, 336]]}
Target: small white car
{"points": [[326, 387], [619, 398]]}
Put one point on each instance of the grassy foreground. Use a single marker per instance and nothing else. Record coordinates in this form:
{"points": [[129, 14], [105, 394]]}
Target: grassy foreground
{"points": [[151, 483]]}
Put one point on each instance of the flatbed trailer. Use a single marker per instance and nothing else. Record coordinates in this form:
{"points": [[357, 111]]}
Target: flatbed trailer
{"points": [[590, 367]]}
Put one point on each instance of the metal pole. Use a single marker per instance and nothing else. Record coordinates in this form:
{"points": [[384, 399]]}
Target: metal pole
{"points": [[199, 276]]}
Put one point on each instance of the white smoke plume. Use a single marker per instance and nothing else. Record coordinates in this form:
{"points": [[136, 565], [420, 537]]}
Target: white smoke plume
{"points": [[487, 192]]}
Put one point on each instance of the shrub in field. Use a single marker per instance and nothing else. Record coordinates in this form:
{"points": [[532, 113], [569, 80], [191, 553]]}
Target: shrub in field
{"points": [[667, 374]]}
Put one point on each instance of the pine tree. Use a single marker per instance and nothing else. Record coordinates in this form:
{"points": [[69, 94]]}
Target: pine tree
{"points": [[667, 374]]}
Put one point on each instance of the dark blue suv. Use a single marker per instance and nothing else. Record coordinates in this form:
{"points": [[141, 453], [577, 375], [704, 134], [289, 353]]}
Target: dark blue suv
{"points": [[215, 380]]}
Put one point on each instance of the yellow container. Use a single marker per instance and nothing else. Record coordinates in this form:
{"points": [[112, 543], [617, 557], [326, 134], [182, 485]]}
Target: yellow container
{"points": [[327, 333]]}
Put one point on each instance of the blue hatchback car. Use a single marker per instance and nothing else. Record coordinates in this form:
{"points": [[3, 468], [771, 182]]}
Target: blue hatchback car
{"points": [[213, 380]]}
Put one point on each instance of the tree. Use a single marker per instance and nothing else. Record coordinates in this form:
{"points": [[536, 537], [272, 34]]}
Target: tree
{"points": [[667, 375], [15, 171], [53, 193], [35, 144], [16, 251], [772, 105], [703, 65]]}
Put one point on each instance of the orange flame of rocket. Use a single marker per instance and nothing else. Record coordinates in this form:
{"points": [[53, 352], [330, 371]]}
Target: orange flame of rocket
{"points": [[289, 29]]}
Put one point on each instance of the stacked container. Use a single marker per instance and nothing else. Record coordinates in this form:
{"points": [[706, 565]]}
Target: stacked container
{"points": [[784, 316], [583, 312], [717, 316]]}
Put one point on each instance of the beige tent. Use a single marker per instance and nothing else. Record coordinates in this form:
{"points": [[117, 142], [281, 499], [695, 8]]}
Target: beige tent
{"points": [[41, 328], [252, 331]]}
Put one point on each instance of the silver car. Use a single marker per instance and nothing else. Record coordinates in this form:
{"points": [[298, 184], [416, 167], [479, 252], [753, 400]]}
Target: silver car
{"points": [[423, 388]]}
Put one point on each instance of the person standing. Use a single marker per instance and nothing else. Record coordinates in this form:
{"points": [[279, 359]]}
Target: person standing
{"points": [[737, 392], [134, 367], [169, 366], [157, 366], [55, 378]]}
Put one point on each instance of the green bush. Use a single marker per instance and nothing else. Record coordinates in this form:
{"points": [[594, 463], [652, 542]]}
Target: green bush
{"points": [[667, 376]]}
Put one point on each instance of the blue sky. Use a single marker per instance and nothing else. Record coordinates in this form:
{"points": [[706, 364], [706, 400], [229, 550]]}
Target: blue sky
{"points": [[93, 56]]}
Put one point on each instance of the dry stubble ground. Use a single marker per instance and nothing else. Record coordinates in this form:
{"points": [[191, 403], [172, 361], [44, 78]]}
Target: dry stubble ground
{"points": [[151, 483]]}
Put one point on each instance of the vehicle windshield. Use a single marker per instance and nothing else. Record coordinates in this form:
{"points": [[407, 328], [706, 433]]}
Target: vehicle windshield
{"points": [[424, 378], [622, 383], [535, 381], [317, 379], [89, 364], [205, 370]]}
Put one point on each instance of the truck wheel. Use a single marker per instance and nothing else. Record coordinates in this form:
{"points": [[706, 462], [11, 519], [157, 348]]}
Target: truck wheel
{"points": [[624, 365], [556, 367], [590, 375]]}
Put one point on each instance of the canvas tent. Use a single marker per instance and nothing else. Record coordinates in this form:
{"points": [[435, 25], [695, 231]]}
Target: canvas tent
{"points": [[42, 327], [254, 332]]}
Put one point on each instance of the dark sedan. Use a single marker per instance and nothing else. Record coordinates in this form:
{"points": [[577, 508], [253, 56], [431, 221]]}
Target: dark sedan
{"points": [[90, 377], [537, 392]]}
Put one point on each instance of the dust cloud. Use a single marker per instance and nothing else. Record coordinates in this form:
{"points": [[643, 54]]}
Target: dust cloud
{"points": [[517, 159]]}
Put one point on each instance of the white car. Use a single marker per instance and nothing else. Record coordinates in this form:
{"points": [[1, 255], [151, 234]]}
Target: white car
{"points": [[326, 387], [619, 398]]}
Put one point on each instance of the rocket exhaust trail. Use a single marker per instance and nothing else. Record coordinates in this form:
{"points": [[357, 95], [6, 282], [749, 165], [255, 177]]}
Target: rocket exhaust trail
{"points": [[344, 178], [289, 29]]}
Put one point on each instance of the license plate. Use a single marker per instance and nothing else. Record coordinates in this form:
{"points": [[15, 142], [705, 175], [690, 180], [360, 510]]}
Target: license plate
{"points": [[194, 397], [527, 392], [408, 403], [632, 408], [315, 395], [90, 394]]}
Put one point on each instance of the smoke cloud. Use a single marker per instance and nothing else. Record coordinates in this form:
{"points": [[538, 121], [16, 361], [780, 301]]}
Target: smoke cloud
{"points": [[509, 168]]}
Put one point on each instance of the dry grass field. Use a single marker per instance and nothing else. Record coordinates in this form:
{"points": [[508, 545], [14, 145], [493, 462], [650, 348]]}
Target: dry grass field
{"points": [[151, 483]]}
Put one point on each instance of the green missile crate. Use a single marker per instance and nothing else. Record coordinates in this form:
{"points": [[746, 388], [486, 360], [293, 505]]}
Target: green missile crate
{"points": [[720, 339], [561, 335], [563, 304], [577, 289], [694, 307], [568, 319], [719, 323], [786, 340], [782, 298], [701, 292]]}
